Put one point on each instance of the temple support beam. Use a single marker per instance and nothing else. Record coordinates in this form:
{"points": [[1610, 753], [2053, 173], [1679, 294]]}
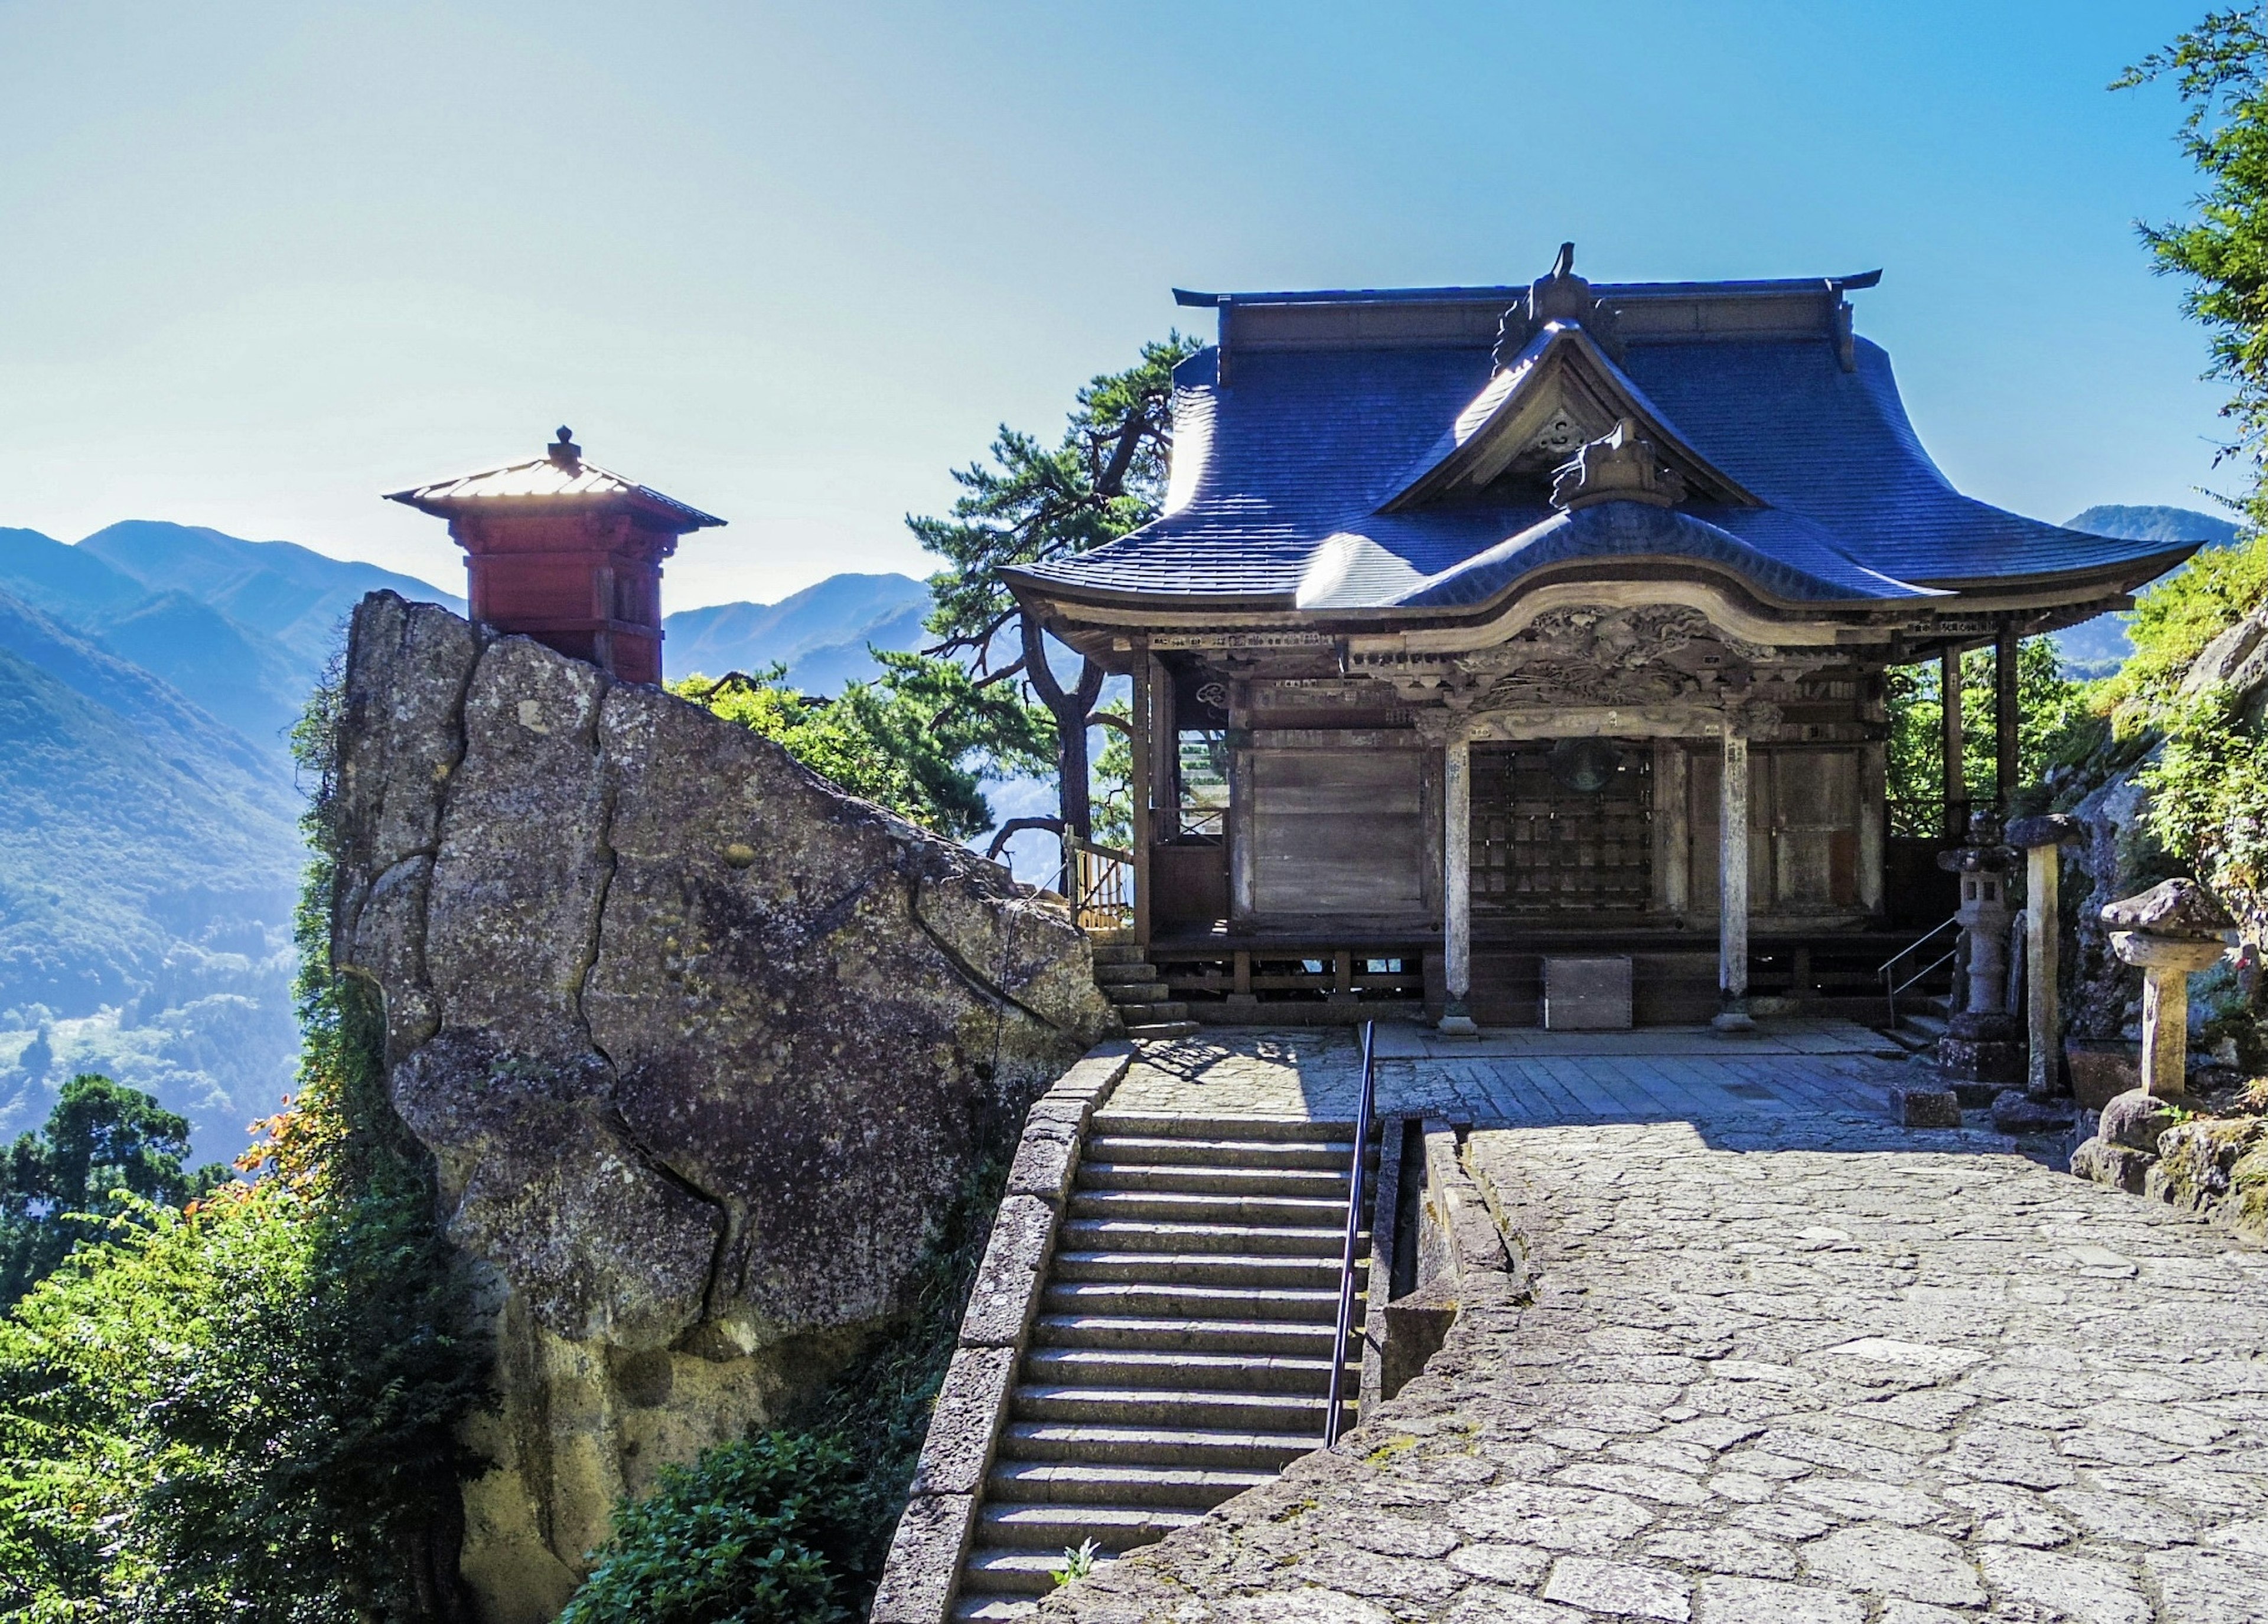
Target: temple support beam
{"points": [[1953, 743], [1733, 885], [1457, 886], [2007, 719]]}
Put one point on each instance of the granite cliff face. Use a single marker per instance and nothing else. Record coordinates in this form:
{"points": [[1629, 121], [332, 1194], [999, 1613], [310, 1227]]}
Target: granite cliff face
{"points": [[697, 1041]]}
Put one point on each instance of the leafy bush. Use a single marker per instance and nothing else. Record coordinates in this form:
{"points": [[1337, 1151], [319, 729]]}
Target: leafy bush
{"points": [[921, 740], [761, 1531]]}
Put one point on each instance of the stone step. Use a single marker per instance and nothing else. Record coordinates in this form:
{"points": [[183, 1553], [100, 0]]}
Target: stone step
{"points": [[1151, 1012], [1133, 995], [1187, 1488], [1149, 1300], [1209, 1450], [1195, 1207], [1113, 975], [1138, 1367], [1908, 1040], [1061, 1525], [1150, 1150], [1135, 1235], [1178, 1408], [1127, 951], [986, 1608], [1161, 1334], [1149, 1125], [1199, 1268], [1159, 1031], [1323, 1183], [1929, 1028], [1027, 1572]]}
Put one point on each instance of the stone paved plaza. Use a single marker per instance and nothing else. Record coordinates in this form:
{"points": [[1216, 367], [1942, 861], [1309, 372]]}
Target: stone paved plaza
{"points": [[1784, 1362]]}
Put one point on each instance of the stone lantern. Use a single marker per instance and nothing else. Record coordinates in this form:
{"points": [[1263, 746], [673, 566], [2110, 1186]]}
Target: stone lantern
{"points": [[1981, 1043], [2041, 839], [2168, 932], [565, 552]]}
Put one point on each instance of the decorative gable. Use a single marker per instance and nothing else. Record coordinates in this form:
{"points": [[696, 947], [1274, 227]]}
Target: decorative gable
{"points": [[1560, 392]]}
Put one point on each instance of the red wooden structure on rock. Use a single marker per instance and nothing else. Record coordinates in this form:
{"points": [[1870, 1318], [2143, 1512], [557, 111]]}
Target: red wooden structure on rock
{"points": [[565, 552]]}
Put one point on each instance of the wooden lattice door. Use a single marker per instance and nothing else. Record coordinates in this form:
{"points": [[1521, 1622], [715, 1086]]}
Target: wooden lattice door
{"points": [[1564, 828]]}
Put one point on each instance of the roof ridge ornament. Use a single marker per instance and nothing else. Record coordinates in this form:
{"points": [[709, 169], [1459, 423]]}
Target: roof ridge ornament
{"points": [[563, 452], [1620, 465], [1559, 296]]}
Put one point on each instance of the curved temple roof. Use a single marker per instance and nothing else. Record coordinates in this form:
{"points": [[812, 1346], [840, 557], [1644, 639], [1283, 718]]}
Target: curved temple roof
{"points": [[1374, 452]]}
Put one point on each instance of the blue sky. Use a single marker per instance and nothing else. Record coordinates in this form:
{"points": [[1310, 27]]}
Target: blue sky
{"points": [[793, 263]]}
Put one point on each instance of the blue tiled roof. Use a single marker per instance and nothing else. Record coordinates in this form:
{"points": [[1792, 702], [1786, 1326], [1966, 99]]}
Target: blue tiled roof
{"points": [[1280, 478]]}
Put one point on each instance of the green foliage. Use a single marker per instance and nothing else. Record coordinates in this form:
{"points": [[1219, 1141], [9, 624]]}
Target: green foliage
{"points": [[2176, 618], [2047, 705], [1078, 1562], [2220, 69], [760, 1531], [693, 1553], [104, 1148], [920, 740], [248, 1410]]}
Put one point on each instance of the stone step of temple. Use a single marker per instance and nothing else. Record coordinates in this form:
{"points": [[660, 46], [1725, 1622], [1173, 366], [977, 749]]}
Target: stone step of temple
{"points": [[1159, 1030], [1139, 1367], [1205, 1206], [1091, 1483], [1224, 1130], [1200, 1268], [1191, 1333], [1128, 994], [1156, 1012], [1262, 1180], [1119, 972], [1185, 1346], [1146, 1235], [1107, 953]]}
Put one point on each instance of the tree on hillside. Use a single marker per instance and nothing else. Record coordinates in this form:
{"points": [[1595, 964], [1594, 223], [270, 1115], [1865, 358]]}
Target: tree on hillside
{"points": [[1031, 504], [58, 1185], [2221, 69]]}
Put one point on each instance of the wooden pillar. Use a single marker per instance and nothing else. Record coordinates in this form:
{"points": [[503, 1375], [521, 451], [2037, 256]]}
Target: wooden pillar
{"points": [[1956, 772], [1140, 790], [1457, 884], [1673, 879], [1873, 810], [2006, 720], [2043, 873], [1243, 871], [1733, 885]]}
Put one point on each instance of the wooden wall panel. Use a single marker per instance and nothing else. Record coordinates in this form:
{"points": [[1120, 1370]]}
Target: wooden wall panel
{"points": [[1338, 831]]}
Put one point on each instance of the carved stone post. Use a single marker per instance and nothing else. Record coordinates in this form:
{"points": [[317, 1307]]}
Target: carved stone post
{"points": [[1980, 1045], [2169, 931], [1457, 884], [2040, 839], [1733, 885]]}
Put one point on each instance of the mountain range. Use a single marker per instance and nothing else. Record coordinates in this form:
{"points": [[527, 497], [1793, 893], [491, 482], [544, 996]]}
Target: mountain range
{"points": [[2098, 647]]}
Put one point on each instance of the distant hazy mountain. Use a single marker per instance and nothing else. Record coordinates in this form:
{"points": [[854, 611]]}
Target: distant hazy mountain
{"points": [[2099, 646], [821, 634], [2154, 524], [297, 596], [149, 855]]}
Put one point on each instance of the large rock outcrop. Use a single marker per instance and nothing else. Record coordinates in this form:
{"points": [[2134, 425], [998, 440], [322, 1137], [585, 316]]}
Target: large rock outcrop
{"points": [[699, 1043]]}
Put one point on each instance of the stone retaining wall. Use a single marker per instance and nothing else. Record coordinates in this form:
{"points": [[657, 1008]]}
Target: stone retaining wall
{"points": [[939, 1520]]}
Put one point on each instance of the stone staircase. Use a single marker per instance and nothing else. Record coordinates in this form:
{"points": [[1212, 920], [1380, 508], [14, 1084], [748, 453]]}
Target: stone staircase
{"points": [[1132, 983], [1182, 1353], [1922, 1021]]}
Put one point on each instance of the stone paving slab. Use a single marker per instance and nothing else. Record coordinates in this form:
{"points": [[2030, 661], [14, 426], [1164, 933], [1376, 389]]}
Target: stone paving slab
{"points": [[1788, 1365]]}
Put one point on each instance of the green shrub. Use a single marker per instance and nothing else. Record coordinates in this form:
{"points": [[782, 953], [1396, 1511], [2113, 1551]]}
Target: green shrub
{"points": [[761, 1531]]}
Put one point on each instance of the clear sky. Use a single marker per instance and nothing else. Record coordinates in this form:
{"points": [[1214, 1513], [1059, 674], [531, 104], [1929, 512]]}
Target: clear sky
{"points": [[260, 261]]}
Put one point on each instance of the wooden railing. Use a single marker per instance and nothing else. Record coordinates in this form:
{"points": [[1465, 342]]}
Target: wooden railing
{"points": [[1100, 884]]}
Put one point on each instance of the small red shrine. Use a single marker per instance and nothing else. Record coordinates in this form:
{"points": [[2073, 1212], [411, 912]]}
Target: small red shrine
{"points": [[565, 552]]}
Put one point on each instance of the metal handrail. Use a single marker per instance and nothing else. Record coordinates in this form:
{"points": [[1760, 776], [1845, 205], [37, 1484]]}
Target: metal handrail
{"points": [[1891, 991], [1345, 1327]]}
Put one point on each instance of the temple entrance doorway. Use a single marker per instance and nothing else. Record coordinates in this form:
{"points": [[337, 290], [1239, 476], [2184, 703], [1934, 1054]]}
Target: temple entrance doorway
{"points": [[1563, 830]]}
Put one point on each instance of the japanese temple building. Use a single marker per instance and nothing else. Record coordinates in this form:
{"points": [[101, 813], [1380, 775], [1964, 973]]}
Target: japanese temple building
{"points": [[1487, 626]]}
